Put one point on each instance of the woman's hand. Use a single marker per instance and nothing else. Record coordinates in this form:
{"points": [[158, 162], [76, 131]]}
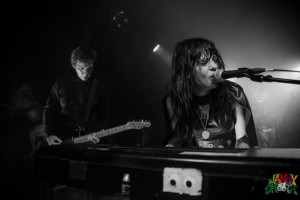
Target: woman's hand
{"points": [[169, 145], [242, 145]]}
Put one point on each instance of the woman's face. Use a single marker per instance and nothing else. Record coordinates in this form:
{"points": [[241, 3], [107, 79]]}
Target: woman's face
{"points": [[204, 76]]}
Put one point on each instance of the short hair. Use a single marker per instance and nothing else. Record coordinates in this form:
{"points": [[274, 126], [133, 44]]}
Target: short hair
{"points": [[83, 54]]}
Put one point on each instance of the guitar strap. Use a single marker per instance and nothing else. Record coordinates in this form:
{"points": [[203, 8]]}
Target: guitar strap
{"points": [[90, 101]]}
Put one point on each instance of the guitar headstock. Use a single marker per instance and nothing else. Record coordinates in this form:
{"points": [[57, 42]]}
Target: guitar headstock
{"points": [[138, 124]]}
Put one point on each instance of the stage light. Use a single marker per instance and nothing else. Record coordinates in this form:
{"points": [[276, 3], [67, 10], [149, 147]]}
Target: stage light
{"points": [[118, 19], [156, 48]]}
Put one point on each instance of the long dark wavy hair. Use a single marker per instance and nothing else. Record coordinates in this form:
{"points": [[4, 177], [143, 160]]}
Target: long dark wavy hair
{"points": [[187, 54]]}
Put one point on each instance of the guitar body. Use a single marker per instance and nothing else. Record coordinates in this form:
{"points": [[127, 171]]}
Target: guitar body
{"points": [[74, 132]]}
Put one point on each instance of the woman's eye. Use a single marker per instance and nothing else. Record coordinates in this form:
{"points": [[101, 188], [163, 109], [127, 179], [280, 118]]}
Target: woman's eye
{"points": [[214, 58]]}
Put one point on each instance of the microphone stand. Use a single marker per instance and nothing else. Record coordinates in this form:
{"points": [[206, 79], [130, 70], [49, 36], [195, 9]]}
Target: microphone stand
{"points": [[269, 78]]}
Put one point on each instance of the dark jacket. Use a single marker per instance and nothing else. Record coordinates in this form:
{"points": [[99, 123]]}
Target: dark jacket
{"points": [[66, 107]]}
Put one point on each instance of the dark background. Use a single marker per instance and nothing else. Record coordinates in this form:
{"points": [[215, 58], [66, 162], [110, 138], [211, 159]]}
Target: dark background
{"points": [[38, 38]]}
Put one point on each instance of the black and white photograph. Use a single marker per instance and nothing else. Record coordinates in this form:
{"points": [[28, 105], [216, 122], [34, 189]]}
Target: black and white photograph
{"points": [[150, 100]]}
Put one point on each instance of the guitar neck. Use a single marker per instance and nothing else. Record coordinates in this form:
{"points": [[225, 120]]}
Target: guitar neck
{"points": [[100, 134]]}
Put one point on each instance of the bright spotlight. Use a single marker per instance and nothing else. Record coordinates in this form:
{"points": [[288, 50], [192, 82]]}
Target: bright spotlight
{"points": [[156, 48]]}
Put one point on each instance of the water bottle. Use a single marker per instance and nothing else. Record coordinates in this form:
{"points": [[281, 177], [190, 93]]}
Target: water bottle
{"points": [[125, 187]]}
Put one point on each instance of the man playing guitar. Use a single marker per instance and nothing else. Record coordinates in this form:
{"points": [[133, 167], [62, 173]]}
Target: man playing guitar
{"points": [[70, 98]]}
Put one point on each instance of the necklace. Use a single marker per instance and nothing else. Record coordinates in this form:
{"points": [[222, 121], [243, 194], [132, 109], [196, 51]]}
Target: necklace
{"points": [[205, 134]]}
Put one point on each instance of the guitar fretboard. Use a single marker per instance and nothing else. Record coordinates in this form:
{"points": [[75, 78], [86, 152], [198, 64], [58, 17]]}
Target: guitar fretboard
{"points": [[100, 134]]}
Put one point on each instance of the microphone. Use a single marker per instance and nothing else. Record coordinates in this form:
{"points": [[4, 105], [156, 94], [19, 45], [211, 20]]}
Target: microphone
{"points": [[221, 75]]}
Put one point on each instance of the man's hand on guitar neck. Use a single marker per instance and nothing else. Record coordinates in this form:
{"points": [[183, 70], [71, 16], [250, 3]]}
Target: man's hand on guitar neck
{"points": [[53, 140], [93, 139]]}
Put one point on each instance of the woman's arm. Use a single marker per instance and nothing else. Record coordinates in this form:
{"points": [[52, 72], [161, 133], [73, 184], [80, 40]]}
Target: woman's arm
{"points": [[174, 140], [242, 140]]}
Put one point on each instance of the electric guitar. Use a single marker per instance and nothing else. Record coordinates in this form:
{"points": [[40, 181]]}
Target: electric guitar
{"points": [[103, 133]]}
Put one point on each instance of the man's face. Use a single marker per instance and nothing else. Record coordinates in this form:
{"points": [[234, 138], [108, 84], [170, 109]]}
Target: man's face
{"points": [[84, 70]]}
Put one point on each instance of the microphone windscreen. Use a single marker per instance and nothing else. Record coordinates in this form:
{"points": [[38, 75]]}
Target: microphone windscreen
{"points": [[218, 75]]}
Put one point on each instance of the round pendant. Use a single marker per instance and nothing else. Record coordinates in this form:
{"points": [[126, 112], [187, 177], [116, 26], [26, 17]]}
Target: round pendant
{"points": [[205, 134]]}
